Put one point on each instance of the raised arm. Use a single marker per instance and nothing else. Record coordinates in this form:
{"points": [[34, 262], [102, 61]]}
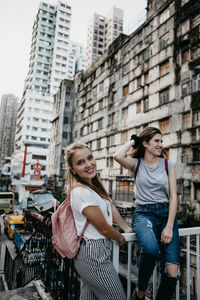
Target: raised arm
{"points": [[96, 218], [122, 159]]}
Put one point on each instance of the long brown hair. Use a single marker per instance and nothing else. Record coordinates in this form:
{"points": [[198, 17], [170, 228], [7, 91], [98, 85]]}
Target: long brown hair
{"points": [[145, 136], [72, 178]]}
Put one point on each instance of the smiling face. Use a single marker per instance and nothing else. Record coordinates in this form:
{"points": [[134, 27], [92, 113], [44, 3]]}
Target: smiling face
{"points": [[84, 164], [155, 145]]}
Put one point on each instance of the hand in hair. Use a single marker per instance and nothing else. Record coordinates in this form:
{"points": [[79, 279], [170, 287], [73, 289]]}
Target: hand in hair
{"points": [[136, 139]]}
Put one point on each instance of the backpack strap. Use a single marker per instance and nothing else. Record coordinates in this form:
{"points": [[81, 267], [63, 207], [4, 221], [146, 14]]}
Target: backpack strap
{"points": [[87, 223], [166, 166], [82, 233], [137, 167]]}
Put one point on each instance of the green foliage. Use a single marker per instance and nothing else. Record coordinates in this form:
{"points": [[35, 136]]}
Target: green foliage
{"points": [[59, 194], [187, 217], [5, 183], [16, 196]]}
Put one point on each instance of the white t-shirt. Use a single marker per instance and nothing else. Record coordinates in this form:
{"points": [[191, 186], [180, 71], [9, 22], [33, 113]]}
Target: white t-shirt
{"points": [[82, 197]]}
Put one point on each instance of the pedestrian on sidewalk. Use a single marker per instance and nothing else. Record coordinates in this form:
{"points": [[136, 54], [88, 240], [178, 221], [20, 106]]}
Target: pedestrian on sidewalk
{"points": [[93, 261], [154, 222]]}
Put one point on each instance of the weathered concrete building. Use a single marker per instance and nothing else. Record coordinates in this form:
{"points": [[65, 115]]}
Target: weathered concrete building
{"points": [[150, 78], [61, 132], [8, 118]]}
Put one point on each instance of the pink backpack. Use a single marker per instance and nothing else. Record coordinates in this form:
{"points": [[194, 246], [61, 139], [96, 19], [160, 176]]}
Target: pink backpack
{"points": [[64, 233]]}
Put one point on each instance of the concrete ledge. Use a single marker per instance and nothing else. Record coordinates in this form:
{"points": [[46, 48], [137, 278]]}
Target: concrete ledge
{"points": [[41, 290]]}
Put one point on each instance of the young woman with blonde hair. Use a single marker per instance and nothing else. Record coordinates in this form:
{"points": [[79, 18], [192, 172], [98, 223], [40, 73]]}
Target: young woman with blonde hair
{"points": [[91, 202], [154, 219]]}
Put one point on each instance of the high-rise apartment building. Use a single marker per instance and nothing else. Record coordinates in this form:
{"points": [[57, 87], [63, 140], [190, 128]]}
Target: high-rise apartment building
{"points": [[101, 33], [8, 117], [53, 57]]}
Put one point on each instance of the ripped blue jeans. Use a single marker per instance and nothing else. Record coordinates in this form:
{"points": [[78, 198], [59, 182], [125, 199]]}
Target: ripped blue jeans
{"points": [[148, 224]]}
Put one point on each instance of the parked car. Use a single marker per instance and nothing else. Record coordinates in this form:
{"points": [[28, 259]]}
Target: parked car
{"points": [[12, 223]]}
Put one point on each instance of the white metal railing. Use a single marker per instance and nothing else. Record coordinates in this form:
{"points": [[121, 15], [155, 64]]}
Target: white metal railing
{"points": [[183, 232]]}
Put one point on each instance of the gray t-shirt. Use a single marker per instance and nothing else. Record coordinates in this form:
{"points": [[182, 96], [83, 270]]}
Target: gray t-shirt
{"points": [[152, 185]]}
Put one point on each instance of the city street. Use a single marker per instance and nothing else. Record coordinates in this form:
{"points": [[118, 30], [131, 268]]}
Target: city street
{"points": [[32, 291]]}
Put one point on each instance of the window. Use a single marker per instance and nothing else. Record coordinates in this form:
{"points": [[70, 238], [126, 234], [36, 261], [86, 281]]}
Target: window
{"points": [[139, 82], [126, 68], [196, 83], [146, 104], [195, 52], [185, 56], [110, 162], [164, 41], [91, 110], [164, 68], [164, 16], [139, 107], [197, 191], [196, 153], [125, 113], [90, 128], [101, 104], [124, 190], [100, 123], [185, 89], [143, 56], [146, 78], [186, 120], [185, 27], [66, 120], [125, 90], [98, 144], [164, 96], [124, 136], [164, 126], [110, 140], [111, 118], [94, 91], [186, 155], [196, 117], [101, 87]]}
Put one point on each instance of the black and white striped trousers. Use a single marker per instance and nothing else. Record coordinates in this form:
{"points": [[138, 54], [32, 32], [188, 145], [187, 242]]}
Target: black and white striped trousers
{"points": [[99, 278]]}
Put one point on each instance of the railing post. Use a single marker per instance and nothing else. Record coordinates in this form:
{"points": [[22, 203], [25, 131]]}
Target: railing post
{"points": [[188, 267], [115, 256], [129, 269], [155, 281], [198, 265]]}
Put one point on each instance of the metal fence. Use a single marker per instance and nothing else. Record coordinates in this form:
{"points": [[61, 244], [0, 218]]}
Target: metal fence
{"points": [[38, 260]]}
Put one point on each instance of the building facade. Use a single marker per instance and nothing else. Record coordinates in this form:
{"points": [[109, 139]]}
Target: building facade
{"points": [[102, 31], [8, 118], [53, 57], [150, 78], [61, 131]]}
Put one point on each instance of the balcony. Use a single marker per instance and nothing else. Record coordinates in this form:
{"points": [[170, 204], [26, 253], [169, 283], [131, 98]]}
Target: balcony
{"points": [[38, 260], [192, 261]]}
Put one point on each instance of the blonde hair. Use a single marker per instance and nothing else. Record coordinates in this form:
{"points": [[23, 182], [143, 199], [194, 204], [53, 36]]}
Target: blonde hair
{"points": [[72, 178]]}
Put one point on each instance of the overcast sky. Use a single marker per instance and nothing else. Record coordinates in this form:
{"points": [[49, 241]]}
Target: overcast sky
{"points": [[16, 21]]}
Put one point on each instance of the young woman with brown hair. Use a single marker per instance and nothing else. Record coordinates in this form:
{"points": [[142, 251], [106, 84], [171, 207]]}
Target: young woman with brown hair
{"points": [[154, 220]]}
